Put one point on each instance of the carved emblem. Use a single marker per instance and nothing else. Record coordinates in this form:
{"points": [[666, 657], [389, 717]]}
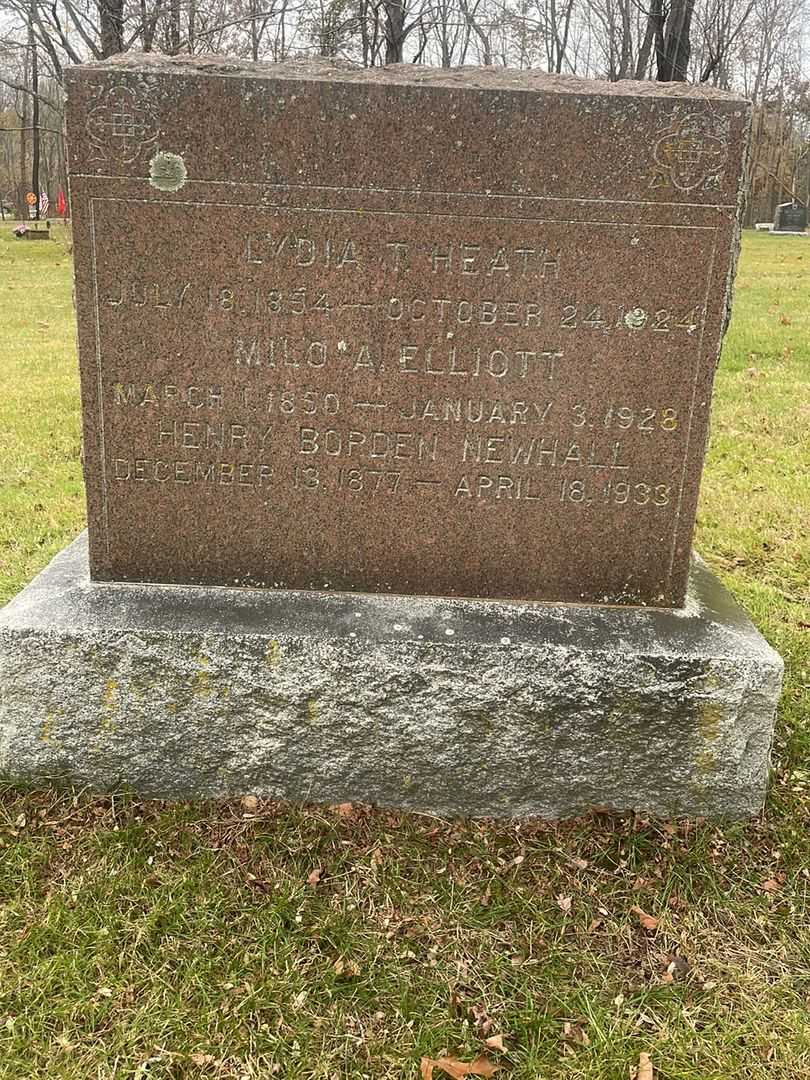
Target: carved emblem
{"points": [[119, 125], [690, 155]]}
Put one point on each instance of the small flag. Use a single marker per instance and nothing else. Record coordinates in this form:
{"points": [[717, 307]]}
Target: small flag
{"points": [[61, 204], [43, 203]]}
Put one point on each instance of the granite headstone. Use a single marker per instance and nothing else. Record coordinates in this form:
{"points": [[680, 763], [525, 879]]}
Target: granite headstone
{"points": [[401, 330], [790, 217]]}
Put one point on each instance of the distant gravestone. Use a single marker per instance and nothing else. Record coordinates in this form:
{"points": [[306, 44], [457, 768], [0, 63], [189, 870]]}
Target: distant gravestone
{"points": [[400, 331], [471, 358], [790, 217]]}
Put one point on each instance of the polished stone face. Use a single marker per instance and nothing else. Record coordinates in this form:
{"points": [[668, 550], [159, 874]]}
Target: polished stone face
{"points": [[790, 217], [403, 331]]}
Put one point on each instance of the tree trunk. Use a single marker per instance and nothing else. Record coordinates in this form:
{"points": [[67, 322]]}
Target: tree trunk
{"points": [[394, 31], [626, 52], [174, 27], [22, 205], [149, 25], [35, 134], [111, 26], [643, 61], [472, 23], [673, 59]]}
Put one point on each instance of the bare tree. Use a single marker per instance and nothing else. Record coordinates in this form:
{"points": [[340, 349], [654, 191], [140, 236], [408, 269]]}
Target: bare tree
{"points": [[755, 45], [111, 26]]}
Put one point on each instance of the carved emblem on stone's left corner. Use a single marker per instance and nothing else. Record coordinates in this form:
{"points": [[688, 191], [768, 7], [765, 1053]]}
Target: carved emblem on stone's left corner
{"points": [[121, 125], [691, 154]]}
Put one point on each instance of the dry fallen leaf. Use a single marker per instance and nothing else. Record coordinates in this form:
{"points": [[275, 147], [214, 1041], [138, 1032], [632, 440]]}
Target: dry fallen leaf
{"points": [[649, 922], [563, 903], [679, 967], [575, 1033], [495, 1042], [314, 878], [645, 1069], [250, 804], [347, 969], [202, 1059], [344, 809], [771, 885], [483, 1021], [482, 1066]]}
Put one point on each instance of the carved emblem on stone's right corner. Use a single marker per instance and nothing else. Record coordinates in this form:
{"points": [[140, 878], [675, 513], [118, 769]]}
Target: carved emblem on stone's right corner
{"points": [[120, 125], [691, 154]]}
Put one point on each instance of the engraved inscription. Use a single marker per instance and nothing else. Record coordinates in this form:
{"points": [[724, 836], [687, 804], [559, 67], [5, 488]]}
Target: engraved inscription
{"points": [[345, 372], [573, 435]]}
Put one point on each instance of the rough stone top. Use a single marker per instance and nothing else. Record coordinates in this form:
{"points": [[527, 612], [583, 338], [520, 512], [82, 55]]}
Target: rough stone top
{"points": [[472, 78], [711, 625]]}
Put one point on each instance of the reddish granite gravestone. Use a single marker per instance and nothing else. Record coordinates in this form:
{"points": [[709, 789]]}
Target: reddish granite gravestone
{"points": [[401, 330], [410, 331]]}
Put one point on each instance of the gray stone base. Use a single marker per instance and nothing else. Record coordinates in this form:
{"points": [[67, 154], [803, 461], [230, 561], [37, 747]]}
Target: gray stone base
{"points": [[767, 226], [446, 706]]}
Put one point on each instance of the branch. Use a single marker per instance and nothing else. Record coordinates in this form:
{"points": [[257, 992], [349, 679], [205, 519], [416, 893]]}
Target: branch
{"points": [[26, 90], [75, 18], [723, 48], [235, 22], [71, 52], [52, 131]]}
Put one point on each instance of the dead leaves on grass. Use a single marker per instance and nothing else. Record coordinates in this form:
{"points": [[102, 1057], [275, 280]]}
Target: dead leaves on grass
{"points": [[575, 1033], [450, 1066], [201, 1060], [462, 1005], [774, 884], [677, 969], [314, 877], [649, 922], [483, 1023], [345, 968], [645, 1069]]}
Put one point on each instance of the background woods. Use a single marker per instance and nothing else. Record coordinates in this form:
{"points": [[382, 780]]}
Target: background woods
{"points": [[751, 45]]}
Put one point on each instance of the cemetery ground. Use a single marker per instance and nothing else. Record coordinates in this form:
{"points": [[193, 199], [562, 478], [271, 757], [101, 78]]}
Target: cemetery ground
{"points": [[142, 939]]}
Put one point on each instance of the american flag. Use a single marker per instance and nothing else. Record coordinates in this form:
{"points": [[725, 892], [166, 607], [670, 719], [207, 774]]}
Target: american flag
{"points": [[43, 203]]}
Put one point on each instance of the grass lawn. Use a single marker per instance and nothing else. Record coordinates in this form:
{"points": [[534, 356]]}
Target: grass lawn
{"points": [[142, 940]]}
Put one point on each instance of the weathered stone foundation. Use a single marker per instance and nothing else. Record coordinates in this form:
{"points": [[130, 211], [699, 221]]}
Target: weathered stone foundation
{"points": [[446, 706]]}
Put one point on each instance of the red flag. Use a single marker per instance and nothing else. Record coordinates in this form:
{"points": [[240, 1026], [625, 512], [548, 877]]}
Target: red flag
{"points": [[61, 204]]}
